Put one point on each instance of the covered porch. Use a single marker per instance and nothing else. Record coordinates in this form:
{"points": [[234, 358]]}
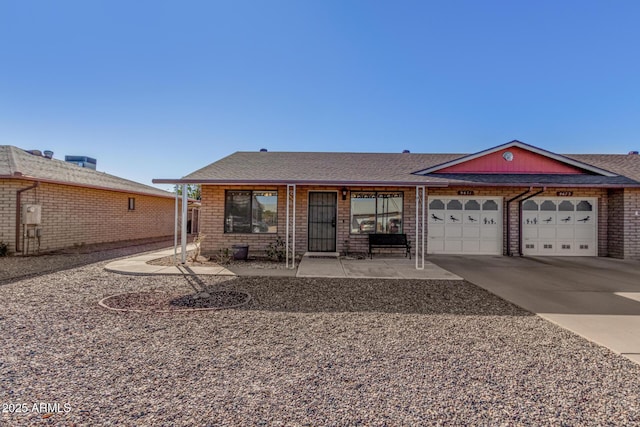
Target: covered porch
{"points": [[307, 217]]}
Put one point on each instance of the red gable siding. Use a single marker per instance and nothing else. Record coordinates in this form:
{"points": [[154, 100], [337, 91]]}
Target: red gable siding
{"points": [[524, 161]]}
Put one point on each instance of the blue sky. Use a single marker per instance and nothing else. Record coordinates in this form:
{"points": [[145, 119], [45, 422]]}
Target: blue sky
{"points": [[158, 89]]}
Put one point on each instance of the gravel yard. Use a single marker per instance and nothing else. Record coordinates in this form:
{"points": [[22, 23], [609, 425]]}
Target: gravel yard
{"points": [[12, 268], [300, 352]]}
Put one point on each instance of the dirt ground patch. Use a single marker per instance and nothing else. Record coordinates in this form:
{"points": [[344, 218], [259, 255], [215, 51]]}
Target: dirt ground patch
{"points": [[252, 262]]}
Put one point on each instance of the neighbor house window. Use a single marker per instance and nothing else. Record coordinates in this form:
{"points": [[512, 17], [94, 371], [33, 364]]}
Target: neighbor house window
{"points": [[376, 212], [132, 203], [251, 212]]}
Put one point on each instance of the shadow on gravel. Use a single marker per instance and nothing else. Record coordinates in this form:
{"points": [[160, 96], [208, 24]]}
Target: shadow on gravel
{"points": [[307, 295], [16, 268], [213, 299]]}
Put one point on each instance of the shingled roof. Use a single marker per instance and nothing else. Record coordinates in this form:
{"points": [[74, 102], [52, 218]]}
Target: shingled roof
{"points": [[391, 168], [302, 167], [627, 165], [16, 163]]}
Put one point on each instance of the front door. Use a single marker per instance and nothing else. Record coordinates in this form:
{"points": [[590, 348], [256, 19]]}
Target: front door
{"points": [[322, 221]]}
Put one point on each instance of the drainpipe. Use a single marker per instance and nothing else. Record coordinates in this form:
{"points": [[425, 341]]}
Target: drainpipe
{"points": [[520, 217], [18, 203], [509, 218]]}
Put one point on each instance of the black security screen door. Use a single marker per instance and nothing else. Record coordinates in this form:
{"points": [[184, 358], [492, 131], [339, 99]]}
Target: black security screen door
{"points": [[322, 221]]}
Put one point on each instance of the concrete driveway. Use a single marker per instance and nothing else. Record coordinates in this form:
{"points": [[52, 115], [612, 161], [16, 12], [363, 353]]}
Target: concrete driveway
{"points": [[597, 298]]}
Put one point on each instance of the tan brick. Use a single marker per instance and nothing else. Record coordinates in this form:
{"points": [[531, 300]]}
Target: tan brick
{"points": [[74, 215]]}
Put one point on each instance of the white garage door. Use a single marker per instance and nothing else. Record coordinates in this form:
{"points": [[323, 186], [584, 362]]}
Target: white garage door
{"points": [[560, 226], [465, 225]]}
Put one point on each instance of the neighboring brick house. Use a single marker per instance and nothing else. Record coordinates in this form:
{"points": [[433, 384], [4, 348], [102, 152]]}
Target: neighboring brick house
{"points": [[48, 204], [513, 199]]}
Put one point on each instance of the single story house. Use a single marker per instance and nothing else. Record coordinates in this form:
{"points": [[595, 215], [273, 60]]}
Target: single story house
{"points": [[513, 199], [48, 204]]}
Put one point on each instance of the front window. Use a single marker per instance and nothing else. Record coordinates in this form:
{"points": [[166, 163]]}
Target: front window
{"points": [[376, 212], [251, 212]]}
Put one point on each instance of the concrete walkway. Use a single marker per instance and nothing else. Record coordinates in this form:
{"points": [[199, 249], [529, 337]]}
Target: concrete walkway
{"points": [[137, 265], [597, 298], [376, 268], [322, 266]]}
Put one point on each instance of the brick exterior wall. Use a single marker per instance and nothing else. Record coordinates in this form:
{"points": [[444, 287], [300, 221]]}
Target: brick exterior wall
{"points": [[8, 190], [624, 223], [616, 223], [611, 233], [212, 214], [632, 209], [626, 215], [74, 216]]}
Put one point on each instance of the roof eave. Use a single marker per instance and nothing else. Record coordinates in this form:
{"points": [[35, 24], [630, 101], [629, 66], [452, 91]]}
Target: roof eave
{"points": [[95, 187], [297, 182], [540, 184]]}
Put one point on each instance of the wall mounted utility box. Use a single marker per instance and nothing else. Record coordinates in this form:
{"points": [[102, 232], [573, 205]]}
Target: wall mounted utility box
{"points": [[31, 214]]}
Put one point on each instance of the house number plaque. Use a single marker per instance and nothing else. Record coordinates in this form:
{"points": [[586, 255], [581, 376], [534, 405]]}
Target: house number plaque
{"points": [[465, 193], [564, 193]]}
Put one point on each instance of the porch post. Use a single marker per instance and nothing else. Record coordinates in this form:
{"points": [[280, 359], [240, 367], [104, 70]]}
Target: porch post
{"points": [[184, 224], [290, 227], [175, 230], [420, 212]]}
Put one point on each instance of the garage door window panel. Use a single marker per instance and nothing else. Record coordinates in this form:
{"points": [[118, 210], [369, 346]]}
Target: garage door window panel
{"points": [[530, 218], [585, 216], [472, 213], [472, 205], [453, 214], [490, 205], [489, 213], [436, 212], [584, 206], [565, 216], [566, 206]]}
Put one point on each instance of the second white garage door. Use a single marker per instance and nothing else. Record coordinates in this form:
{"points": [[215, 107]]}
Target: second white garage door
{"points": [[464, 225], [560, 226]]}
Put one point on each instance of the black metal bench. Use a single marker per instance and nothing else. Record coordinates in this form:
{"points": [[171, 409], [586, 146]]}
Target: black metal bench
{"points": [[389, 241]]}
